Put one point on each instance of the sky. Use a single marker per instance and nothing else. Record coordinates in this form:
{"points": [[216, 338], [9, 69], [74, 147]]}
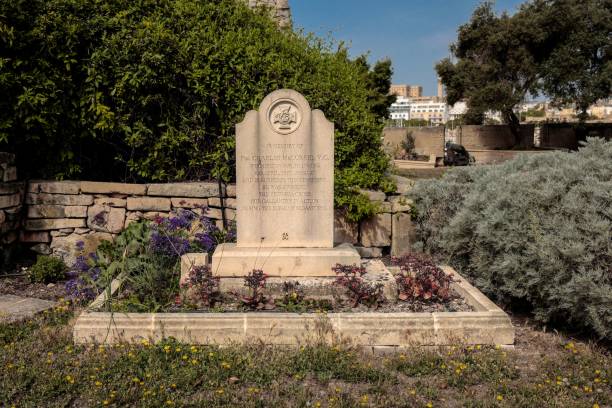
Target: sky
{"points": [[415, 34]]}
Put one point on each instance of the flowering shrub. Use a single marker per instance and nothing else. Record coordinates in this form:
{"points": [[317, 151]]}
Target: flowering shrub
{"points": [[358, 290], [421, 279], [205, 285], [146, 255], [187, 231]]}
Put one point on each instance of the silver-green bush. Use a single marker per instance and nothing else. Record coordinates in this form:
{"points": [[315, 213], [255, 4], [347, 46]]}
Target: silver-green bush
{"points": [[536, 229]]}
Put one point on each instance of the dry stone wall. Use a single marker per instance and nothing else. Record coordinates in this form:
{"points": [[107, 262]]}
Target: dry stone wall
{"points": [[60, 214]]}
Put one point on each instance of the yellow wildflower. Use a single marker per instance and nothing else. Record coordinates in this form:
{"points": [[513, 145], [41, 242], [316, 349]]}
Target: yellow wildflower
{"points": [[500, 397]]}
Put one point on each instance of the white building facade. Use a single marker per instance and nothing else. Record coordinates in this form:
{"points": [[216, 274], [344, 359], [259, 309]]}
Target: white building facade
{"points": [[431, 109]]}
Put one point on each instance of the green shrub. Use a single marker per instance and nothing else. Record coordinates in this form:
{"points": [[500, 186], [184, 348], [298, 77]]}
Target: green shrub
{"points": [[152, 90], [537, 229], [47, 269]]}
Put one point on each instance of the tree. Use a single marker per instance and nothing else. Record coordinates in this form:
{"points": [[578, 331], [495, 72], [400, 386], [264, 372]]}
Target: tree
{"points": [[560, 48], [495, 67], [378, 82], [578, 65]]}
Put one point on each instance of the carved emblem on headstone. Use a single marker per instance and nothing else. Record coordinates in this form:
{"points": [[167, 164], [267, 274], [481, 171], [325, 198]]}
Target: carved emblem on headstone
{"points": [[285, 117]]}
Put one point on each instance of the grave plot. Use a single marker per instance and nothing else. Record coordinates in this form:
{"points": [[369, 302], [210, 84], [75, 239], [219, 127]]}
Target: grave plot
{"points": [[284, 280]]}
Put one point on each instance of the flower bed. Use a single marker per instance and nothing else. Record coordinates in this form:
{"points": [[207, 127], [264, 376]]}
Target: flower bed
{"points": [[137, 282]]}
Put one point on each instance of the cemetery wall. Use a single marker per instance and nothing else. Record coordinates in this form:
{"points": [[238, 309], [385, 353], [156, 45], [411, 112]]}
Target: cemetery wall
{"points": [[59, 214], [490, 137], [427, 140], [279, 10], [567, 135]]}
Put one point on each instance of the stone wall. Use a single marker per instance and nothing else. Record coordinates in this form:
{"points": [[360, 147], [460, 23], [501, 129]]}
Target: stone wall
{"points": [[567, 135], [490, 137], [427, 140], [60, 214], [11, 200], [279, 9]]}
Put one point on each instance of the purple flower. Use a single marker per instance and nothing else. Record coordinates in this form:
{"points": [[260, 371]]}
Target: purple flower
{"points": [[80, 245], [169, 245]]}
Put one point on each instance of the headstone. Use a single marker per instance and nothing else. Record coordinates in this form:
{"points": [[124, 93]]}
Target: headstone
{"points": [[285, 175], [285, 193]]}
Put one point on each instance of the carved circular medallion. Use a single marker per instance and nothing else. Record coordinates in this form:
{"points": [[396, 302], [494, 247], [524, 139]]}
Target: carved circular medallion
{"points": [[284, 116]]}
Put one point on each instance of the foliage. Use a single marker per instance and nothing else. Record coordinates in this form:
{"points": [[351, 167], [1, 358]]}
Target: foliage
{"points": [[255, 281], [359, 291], [533, 230], [378, 81], [421, 279], [495, 67], [47, 269], [205, 285], [558, 47], [152, 90], [41, 366], [578, 70]]}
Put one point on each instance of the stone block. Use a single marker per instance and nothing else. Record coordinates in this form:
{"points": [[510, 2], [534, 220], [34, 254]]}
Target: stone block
{"points": [[54, 187], [228, 202], [42, 249], [81, 231], [198, 190], [376, 231], [2, 217], [53, 224], [148, 204], [11, 188], [230, 260], [57, 211], [373, 195], [404, 185], [230, 191], [185, 202], [113, 188], [61, 233], [10, 200], [190, 260], [59, 199], [106, 219], [66, 247], [403, 234], [111, 201], [35, 236], [214, 213], [345, 231], [385, 207], [400, 204], [369, 252], [10, 174]]}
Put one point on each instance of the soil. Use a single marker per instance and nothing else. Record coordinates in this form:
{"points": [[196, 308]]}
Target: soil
{"points": [[21, 286]]}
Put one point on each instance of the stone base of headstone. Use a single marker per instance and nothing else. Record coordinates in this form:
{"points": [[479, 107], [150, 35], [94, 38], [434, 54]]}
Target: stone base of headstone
{"points": [[319, 286], [232, 261]]}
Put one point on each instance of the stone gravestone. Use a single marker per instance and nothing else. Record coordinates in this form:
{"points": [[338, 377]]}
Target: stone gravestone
{"points": [[285, 193]]}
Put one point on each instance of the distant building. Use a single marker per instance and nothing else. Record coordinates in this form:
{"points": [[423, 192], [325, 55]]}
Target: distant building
{"points": [[431, 109], [440, 89], [406, 91]]}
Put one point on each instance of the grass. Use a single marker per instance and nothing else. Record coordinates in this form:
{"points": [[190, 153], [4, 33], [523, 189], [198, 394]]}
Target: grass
{"points": [[420, 174], [41, 367]]}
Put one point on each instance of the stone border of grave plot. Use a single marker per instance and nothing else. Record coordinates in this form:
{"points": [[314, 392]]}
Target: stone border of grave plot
{"points": [[487, 325]]}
